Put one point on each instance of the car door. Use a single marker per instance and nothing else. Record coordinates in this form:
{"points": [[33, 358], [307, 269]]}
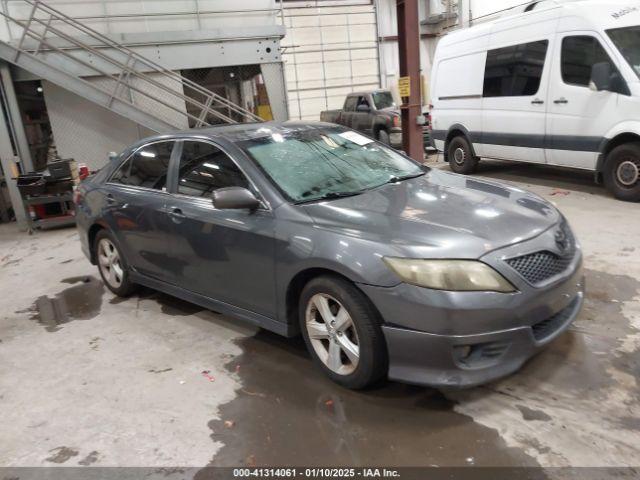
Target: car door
{"points": [[136, 195], [227, 255], [577, 115], [514, 94], [349, 110]]}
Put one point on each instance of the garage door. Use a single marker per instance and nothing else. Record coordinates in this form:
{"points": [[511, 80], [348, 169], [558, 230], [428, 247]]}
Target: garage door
{"points": [[330, 50]]}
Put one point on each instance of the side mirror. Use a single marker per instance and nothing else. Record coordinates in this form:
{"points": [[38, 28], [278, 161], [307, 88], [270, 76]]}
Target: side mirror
{"points": [[600, 76], [234, 198], [363, 108]]}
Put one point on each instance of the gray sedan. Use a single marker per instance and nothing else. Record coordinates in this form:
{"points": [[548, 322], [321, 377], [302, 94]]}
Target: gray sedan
{"points": [[386, 267]]}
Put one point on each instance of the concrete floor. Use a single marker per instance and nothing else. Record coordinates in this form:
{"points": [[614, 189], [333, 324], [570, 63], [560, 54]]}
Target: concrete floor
{"points": [[89, 379]]}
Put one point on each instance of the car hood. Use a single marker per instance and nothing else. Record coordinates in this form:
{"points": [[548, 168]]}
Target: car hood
{"points": [[438, 215]]}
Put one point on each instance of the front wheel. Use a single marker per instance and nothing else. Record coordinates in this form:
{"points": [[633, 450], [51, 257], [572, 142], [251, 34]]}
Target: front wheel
{"points": [[622, 172], [460, 156], [342, 332], [112, 265]]}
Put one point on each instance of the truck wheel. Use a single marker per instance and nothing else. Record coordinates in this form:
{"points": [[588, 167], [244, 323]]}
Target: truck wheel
{"points": [[460, 156], [622, 172], [383, 136]]}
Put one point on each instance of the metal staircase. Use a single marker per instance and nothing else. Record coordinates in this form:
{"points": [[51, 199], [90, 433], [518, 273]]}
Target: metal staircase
{"points": [[57, 48]]}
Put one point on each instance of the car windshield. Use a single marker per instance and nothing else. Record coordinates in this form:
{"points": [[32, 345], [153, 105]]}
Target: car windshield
{"points": [[319, 163], [627, 40], [383, 100]]}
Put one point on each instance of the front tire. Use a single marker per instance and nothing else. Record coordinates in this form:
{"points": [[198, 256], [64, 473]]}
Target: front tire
{"points": [[622, 172], [112, 265], [460, 156], [341, 330]]}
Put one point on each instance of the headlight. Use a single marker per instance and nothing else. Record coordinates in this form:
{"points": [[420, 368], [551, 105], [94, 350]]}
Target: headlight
{"points": [[456, 275]]}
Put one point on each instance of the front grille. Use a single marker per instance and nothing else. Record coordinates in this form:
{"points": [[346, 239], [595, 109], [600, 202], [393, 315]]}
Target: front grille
{"points": [[548, 327], [540, 266]]}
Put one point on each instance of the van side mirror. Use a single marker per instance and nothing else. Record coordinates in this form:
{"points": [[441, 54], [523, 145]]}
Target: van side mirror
{"points": [[600, 76], [363, 108], [604, 77], [234, 198]]}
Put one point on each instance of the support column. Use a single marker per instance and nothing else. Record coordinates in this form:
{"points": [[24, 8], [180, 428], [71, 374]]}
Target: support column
{"points": [[7, 160], [409, 51], [273, 75], [15, 117]]}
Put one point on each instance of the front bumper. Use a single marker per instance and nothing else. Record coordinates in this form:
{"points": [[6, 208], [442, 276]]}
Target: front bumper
{"points": [[462, 339]]}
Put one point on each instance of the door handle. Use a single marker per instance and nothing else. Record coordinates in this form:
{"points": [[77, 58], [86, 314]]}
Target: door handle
{"points": [[110, 199], [537, 101], [560, 100], [176, 214]]}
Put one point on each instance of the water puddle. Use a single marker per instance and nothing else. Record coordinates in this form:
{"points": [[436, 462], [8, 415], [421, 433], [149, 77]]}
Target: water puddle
{"points": [[288, 413], [82, 301]]}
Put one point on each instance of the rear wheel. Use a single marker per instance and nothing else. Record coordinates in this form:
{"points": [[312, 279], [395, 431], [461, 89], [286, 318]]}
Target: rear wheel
{"points": [[460, 156], [342, 332], [112, 265], [622, 172]]}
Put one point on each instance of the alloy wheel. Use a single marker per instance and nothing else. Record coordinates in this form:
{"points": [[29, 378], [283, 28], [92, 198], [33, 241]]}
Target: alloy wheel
{"points": [[332, 334], [110, 264]]}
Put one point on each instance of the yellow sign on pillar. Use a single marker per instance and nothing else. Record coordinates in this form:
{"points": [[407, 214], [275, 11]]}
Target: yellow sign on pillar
{"points": [[404, 86]]}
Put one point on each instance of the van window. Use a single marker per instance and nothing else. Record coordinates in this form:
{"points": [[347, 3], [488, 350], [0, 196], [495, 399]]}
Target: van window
{"points": [[579, 54], [147, 167], [350, 104], [628, 42], [515, 71]]}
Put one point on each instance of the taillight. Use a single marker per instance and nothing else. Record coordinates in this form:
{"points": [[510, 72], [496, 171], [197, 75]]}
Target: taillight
{"points": [[83, 171], [77, 196], [396, 121]]}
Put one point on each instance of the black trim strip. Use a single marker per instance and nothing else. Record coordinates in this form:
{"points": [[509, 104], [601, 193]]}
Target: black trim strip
{"points": [[572, 143]]}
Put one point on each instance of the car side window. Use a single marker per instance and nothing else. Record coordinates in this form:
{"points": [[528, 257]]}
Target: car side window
{"points": [[350, 104], [515, 71], [204, 168], [579, 54], [147, 167]]}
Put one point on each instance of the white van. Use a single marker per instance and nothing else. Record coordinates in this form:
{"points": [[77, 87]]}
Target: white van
{"points": [[557, 83]]}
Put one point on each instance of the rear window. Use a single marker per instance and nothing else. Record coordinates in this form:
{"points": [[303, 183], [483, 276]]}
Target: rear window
{"points": [[515, 71], [147, 167]]}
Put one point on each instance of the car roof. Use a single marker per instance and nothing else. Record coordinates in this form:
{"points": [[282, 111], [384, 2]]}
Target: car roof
{"points": [[237, 132], [367, 92]]}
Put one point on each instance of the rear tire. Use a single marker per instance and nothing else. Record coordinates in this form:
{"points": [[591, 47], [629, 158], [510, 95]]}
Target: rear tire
{"points": [[342, 332], [460, 156], [622, 172], [112, 265]]}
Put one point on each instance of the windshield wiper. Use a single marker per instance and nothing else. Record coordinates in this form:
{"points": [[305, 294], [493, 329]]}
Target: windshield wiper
{"points": [[396, 179], [331, 196]]}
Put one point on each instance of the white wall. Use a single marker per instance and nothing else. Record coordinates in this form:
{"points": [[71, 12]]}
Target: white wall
{"points": [[140, 15]]}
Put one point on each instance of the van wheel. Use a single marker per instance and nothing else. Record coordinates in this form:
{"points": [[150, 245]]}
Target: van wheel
{"points": [[460, 156], [383, 136], [342, 332], [622, 172]]}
